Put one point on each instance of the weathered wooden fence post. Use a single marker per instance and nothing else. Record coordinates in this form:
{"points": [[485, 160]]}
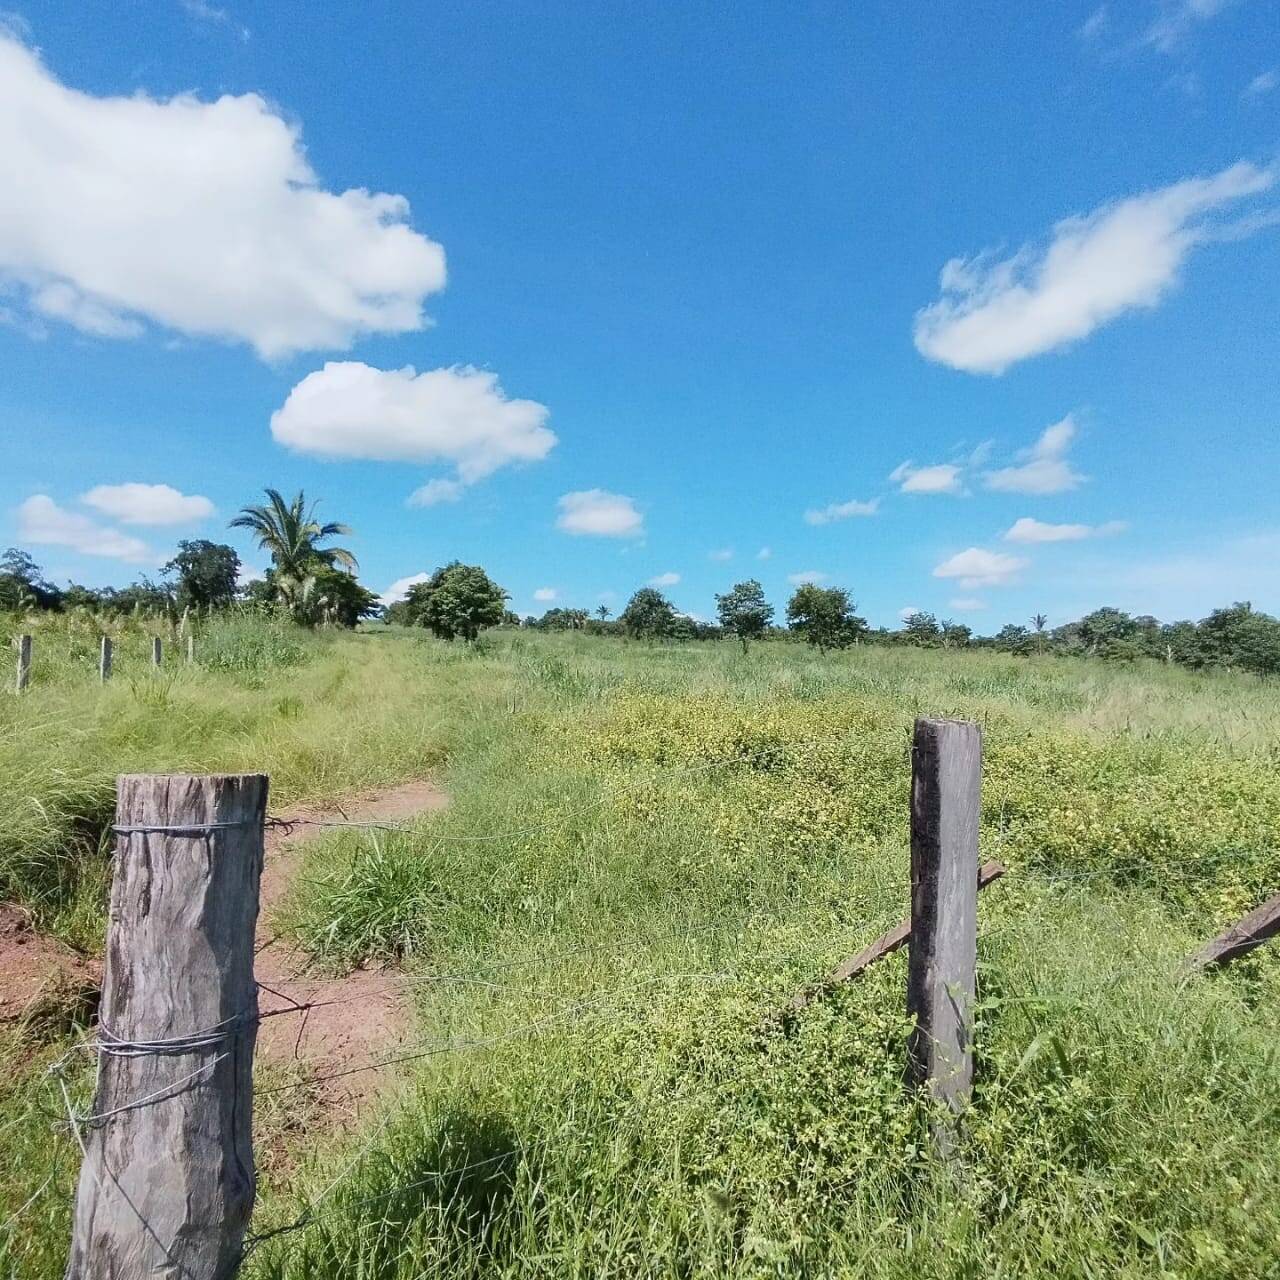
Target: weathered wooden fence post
{"points": [[946, 776], [191, 650], [104, 659], [167, 1183], [157, 651], [24, 663]]}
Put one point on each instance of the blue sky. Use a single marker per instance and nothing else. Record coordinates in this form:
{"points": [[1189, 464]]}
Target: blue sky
{"points": [[970, 309]]}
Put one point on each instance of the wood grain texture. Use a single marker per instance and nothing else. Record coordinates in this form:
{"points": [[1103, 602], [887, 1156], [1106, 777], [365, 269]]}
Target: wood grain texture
{"points": [[24, 663], [1261, 924], [946, 781], [167, 1186]]}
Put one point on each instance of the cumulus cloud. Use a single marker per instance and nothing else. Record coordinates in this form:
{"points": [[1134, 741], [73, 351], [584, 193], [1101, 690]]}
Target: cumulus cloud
{"points": [[975, 567], [1030, 530], [665, 580], [545, 594], [598, 512], [201, 217], [996, 311], [807, 575], [459, 415], [400, 587], [42, 522], [841, 511], [943, 478], [435, 492], [1043, 468], [150, 504]]}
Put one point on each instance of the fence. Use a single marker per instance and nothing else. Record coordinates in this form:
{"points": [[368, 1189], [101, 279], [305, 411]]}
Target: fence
{"points": [[167, 1178], [25, 646]]}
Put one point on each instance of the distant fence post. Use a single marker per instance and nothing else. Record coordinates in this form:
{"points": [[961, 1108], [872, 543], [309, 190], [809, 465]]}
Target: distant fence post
{"points": [[157, 651], [191, 650], [167, 1184], [104, 659], [946, 776], [24, 663]]}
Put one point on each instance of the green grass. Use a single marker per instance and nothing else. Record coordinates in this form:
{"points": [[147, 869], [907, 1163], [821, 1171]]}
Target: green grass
{"points": [[647, 851]]}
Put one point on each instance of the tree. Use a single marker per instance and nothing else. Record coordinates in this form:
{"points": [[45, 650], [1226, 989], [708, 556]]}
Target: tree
{"points": [[922, 629], [290, 533], [602, 612], [338, 599], [744, 612], [1110, 633], [207, 573], [1239, 637], [955, 635], [824, 616], [457, 600], [1039, 623], [649, 615], [22, 585], [1012, 638]]}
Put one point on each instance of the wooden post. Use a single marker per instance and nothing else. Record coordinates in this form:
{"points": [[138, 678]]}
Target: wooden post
{"points": [[167, 1184], [24, 663], [191, 650], [946, 776], [1261, 924], [157, 651], [104, 659]]}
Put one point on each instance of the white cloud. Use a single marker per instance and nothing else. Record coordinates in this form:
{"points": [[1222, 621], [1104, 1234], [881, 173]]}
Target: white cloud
{"points": [[400, 587], [435, 492], [545, 594], [598, 512], [201, 217], [1177, 19], [1044, 468], [42, 522], [1095, 24], [943, 478], [978, 568], [665, 580], [907, 612], [765, 553], [1029, 530], [996, 311], [966, 604], [1263, 83], [459, 415], [152, 504], [841, 511], [808, 575], [725, 553]]}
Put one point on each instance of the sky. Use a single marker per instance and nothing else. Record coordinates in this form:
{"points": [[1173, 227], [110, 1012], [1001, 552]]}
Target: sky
{"points": [[966, 308]]}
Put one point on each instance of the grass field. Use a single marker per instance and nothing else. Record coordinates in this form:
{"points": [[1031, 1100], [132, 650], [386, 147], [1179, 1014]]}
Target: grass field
{"points": [[647, 850]]}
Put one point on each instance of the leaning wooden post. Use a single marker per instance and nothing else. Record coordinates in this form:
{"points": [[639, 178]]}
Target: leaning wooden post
{"points": [[946, 776], [167, 1183], [157, 651], [24, 663], [104, 659]]}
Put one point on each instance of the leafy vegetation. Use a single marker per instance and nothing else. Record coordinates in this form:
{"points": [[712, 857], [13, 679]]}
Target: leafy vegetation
{"points": [[649, 848]]}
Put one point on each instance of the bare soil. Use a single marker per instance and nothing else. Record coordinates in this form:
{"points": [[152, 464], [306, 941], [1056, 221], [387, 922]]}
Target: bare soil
{"points": [[357, 1017], [42, 981]]}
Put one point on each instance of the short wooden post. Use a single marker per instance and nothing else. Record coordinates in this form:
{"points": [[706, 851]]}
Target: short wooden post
{"points": [[946, 777], [167, 1184], [157, 651], [104, 659], [191, 650], [24, 663]]}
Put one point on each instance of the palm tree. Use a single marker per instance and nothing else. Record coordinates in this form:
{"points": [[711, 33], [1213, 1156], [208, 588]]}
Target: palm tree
{"points": [[1039, 622], [290, 533], [603, 611]]}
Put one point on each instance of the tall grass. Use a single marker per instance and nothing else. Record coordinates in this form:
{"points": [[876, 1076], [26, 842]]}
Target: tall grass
{"points": [[648, 850]]}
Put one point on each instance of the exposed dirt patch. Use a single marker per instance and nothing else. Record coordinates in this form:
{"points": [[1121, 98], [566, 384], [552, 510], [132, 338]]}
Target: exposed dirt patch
{"points": [[358, 1017], [42, 981]]}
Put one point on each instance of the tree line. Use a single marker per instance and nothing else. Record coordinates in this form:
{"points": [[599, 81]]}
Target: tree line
{"points": [[314, 582]]}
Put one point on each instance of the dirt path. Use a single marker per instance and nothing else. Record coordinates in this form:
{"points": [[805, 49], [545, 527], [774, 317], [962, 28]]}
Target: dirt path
{"points": [[371, 1012]]}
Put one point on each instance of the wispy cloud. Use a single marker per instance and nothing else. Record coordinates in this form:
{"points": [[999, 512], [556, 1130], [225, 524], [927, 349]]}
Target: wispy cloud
{"points": [[806, 576], [995, 311], [941, 478], [1029, 530], [841, 511], [1263, 83], [665, 580]]}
